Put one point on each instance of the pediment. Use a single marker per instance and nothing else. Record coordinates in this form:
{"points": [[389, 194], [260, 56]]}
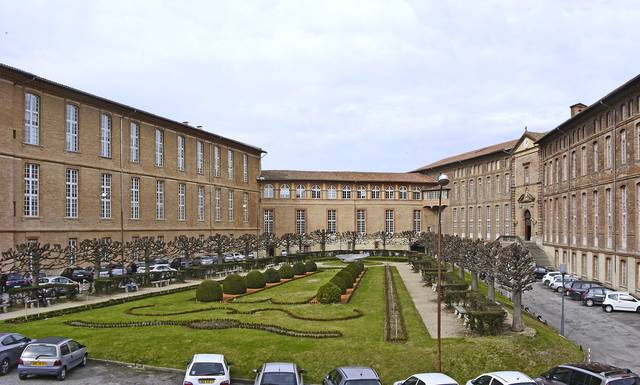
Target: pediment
{"points": [[526, 198]]}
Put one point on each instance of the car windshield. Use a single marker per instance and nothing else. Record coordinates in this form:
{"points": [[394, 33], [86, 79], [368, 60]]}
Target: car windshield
{"points": [[362, 382], [207, 369], [278, 379], [625, 381], [37, 351]]}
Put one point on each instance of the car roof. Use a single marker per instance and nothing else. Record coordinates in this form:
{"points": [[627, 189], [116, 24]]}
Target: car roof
{"points": [[359, 372], [286, 367], [511, 376], [51, 340], [620, 292], [599, 368], [435, 378], [208, 358]]}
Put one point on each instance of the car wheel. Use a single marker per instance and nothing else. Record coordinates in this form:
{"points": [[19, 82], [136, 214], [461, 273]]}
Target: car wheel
{"points": [[63, 374], [22, 376], [608, 308], [589, 302], [4, 367], [84, 361], [559, 290], [638, 309]]}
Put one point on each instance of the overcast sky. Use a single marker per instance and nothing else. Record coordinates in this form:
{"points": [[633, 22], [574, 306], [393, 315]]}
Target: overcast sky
{"points": [[336, 85]]}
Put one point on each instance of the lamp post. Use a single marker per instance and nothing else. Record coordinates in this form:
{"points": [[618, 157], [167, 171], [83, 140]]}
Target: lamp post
{"points": [[443, 180], [563, 271]]}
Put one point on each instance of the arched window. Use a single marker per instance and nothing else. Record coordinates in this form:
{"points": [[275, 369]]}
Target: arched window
{"points": [[331, 192], [285, 193], [389, 193], [362, 192], [417, 193], [375, 192], [315, 192], [403, 192], [300, 192], [267, 191], [346, 192]]}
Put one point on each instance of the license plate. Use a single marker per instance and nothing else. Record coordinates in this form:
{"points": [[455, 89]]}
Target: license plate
{"points": [[203, 381], [38, 363]]}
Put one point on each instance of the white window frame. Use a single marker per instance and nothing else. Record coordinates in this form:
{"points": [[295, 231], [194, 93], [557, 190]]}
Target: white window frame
{"points": [[332, 221], [389, 221], [285, 192], [201, 203], [180, 152], [159, 148], [596, 156], [301, 219], [361, 192], [134, 142], [31, 119], [31, 190], [608, 154], [268, 221], [217, 161], [159, 200], [497, 221], [596, 219], [71, 192], [624, 225], [403, 193], [507, 220], [623, 146], [105, 135], [267, 191], [346, 192], [300, 192], [200, 157], [135, 198], [105, 196], [71, 137], [230, 207], [389, 193], [585, 217], [230, 164], [316, 192], [417, 221], [182, 202], [417, 193], [375, 192], [488, 225], [218, 205], [245, 168], [361, 221], [245, 207], [609, 217], [332, 192]]}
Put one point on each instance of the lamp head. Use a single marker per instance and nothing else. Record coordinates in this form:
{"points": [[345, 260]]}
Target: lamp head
{"points": [[443, 180]]}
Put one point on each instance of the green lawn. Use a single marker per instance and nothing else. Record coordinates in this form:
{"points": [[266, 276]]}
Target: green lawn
{"points": [[361, 344], [339, 263]]}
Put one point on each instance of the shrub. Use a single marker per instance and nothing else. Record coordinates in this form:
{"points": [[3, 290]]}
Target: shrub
{"points": [[340, 283], [328, 293], [255, 280], [234, 284], [209, 291], [352, 270], [286, 271], [299, 268], [271, 275], [488, 322], [311, 266], [347, 276]]}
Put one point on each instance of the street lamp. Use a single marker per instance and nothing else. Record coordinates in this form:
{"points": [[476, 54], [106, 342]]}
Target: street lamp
{"points": [[443, 180], [563, 271]]}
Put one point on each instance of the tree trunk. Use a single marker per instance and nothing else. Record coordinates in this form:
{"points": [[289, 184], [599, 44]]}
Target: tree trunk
{"points": [[461, 270], [474, 280], [517, 325], [491, 289]]}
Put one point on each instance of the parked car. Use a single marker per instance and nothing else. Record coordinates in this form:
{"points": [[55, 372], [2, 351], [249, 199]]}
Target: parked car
{"points": [[576, 288], [207, 369], [11, 347], [504, 378], [15, 280], [539, 272], [594, 296], [180, 263], [548, 278], [280, 373], [428, 379], [348, 375], [51, 356], [592, 373], [208, 260], [160, 261], [117, 270], [556, 285], [238, 257], [161, 268], [620, 300], [58, 286], [77, 274]]}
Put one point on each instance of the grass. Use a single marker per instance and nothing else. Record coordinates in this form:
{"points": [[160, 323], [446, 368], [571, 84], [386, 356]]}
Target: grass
{"points": [[362, 342], [339, 263]]}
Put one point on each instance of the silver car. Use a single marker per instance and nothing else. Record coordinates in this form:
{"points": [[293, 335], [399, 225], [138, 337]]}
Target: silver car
{"points": [[11, 346], [352, 375], [278, 373], [51, 356]]}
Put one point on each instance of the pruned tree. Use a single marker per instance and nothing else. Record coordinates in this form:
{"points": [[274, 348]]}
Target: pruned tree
{"points": [[428, 241], [287, 240], [247, 243], [409, 237], [268, 241], [183, 246], [353, 238], [33, 257], [322, 238], [386, 238], [489, 264], [218, 244], [98, 251], [515, 272], [302, 240], [146, 248], [476, 254]]}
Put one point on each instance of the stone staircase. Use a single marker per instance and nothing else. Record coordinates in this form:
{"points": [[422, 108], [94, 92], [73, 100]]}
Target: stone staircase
{"points": [[542, 259]]}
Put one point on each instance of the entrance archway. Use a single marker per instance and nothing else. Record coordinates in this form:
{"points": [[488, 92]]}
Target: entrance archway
{"points": [[527, 225]]}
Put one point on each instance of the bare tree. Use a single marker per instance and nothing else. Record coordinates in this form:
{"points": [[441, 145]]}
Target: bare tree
{"points": [[302, 240], [409, 237], [322, 238], [146, 248], [33, 257], [515, 272], [428, 241], [268, 241], [218, 244], [98, 251], [247, 243], [353, 238], [477, 251], [183, 246], [489, 264], [386, 238], [287, 240]]}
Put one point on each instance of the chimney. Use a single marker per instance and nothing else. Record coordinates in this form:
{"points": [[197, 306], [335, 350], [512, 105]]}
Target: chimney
{"points": [[577, 108]]}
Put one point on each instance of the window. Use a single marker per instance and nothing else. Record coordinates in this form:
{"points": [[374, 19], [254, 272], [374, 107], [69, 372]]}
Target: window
{"points": [[596, 160], [573, 164], [346, 192], [389, 224], [574, 219], [623, 147], [361, 221], [362, 192], [623, 272], [454, 223], [565, 220], [608, 267], [609, 224], [403, 193], [135, 198], [498, 188], [230, 205], [159, 147], [417, 221], [71, 142], [105, 135], [583, 166], [488, 219], [181, 202], [389, 193], [375, 192], [497, 221], [218, 205], [595, 268], [199, 157], [417, 193], [583, 265], [596, 219], [300, 221], [471, 222], [180, 153], [331, 221], [526, 174], [479, 222], [585, 213], [463, 225], [332, 192], [300, 192], [637, 208], [245, 168], [71, 193], [134, 142], [245, 207], [608, 155], [507, 220], [268, 221], [507, 185], [472, 192], [105, 197], [315, 192], [638, 141], [565, 168], [267, 191], [623, 217], [159, 199], [285, 193], [230, 164], [216, 161], [31, 119]]}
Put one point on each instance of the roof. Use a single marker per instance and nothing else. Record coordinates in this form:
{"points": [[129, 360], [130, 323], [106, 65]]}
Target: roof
{"points": [[511, 377], [348, 176], [435, 379], [500, 147], [361, 373], [286, 367], [597, 367], [35, 80], [207, 358], [50, 340]]}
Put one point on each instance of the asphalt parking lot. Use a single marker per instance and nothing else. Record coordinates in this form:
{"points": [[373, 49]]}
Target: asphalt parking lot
{"points": [[613, 338]]}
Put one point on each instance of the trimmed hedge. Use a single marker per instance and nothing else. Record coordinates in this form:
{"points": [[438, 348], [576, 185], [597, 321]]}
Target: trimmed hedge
{"points": [[234, 284], [209, 291], [286, 271], [299, 268], [340, 283], [271, 275], [347, 277], [255, 280], [329, 293], [311, 266]]}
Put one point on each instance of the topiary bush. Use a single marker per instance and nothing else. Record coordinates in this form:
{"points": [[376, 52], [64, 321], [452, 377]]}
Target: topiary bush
{"points": [[299, 268], [286, 271], [271, 275], [351, 269], [234, 284], [347, 277], [328, 293], [340, 283], [359, 265], [311, 266], [209, 291], [255, 280]]}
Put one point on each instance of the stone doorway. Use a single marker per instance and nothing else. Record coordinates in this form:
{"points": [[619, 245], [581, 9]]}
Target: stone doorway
{"points": [[527, 225]]}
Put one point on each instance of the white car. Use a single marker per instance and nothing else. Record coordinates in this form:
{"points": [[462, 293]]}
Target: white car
{"points": [[238, 257], [428, 379], [208, 260], [620, 300], [502, 378], [548, 278], [207, 369], [556, 284], [160, 268]]}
